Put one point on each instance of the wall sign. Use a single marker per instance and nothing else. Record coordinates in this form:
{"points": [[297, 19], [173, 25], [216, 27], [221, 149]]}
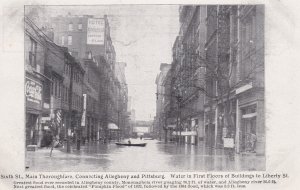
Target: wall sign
{"points": [[95, 31], [33, 91]]}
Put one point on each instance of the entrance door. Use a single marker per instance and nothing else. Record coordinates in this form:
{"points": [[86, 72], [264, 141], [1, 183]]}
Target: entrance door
{"points": [[31, 122], [248, 128]]}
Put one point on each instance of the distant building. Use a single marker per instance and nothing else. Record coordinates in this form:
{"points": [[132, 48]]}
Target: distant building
{"points": [[142, 128], [161, 96]]}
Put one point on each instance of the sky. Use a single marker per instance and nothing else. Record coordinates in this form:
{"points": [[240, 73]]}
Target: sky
{"points": [[143, 36]]}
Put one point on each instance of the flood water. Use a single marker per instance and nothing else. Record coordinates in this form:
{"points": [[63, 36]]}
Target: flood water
{"points": [[156, 156]]}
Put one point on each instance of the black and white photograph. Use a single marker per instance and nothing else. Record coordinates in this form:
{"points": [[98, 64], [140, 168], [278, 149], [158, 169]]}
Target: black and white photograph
{"points": [[137, 88]]}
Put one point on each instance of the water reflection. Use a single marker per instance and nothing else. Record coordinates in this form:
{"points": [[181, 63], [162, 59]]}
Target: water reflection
{"points": [[156, 156]]}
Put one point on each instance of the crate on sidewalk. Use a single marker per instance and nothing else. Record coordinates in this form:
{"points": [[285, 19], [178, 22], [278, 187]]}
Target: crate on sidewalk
{"points": [[32, 147]]}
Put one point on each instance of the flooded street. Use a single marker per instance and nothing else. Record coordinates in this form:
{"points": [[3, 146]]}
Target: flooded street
{"points": [[156, 156]]}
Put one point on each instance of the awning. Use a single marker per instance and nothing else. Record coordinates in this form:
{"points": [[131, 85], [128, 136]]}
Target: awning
{"points": [[112, 126], [185, 133]]}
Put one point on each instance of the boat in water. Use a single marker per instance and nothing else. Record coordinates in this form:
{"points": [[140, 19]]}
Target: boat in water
{"points": [[131, 144]]}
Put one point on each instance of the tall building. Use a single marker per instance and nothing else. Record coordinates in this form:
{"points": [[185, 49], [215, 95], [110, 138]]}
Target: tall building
{"points": [[123, 116], [187, 76], [161, 95]]}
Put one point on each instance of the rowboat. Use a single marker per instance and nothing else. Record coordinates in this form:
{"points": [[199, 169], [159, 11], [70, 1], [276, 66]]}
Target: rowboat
{"points": [[131, 144]]}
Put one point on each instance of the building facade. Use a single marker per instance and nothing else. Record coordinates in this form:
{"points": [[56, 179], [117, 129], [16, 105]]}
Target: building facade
{"points": [[159, 123], [88, 38], [34, 84], [217, 76]]}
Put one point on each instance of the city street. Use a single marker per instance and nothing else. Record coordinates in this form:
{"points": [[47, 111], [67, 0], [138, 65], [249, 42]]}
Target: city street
{"points": [[156, 156], [102, 72]]}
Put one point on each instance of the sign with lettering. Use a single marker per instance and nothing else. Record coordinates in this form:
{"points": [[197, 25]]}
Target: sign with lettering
{"points": [[228, 143], [95, 31], [33, 91]]}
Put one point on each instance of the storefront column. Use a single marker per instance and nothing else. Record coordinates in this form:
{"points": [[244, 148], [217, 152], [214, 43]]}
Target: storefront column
{"points": [[186, 137], [193, 140], [260, 129], [216, 126], [39, 131]]}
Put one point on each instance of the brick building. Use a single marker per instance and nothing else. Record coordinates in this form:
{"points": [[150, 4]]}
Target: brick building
{"points": [[88, 37]]}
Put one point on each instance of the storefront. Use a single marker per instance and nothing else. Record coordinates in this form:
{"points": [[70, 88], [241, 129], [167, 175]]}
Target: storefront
{"points": [[250, 133], [33, 99], [113, 132]]}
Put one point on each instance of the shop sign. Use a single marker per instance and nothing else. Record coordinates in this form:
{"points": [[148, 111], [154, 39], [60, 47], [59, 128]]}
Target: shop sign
{"points": [[44, 119], [228, 143], [185, 133], [33, 91]]}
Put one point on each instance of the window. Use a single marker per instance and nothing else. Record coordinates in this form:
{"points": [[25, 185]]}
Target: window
{"points": [[63, 40], [52, 87], [67, 94], [69, 40], [32, 52], [79, 26], [63, 94], [70, 27], [59, 89]]}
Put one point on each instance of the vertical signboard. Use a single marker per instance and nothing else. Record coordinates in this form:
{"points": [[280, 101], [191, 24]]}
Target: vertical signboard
{"points": [[33, 93], [84, 111], [95, 31]]}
